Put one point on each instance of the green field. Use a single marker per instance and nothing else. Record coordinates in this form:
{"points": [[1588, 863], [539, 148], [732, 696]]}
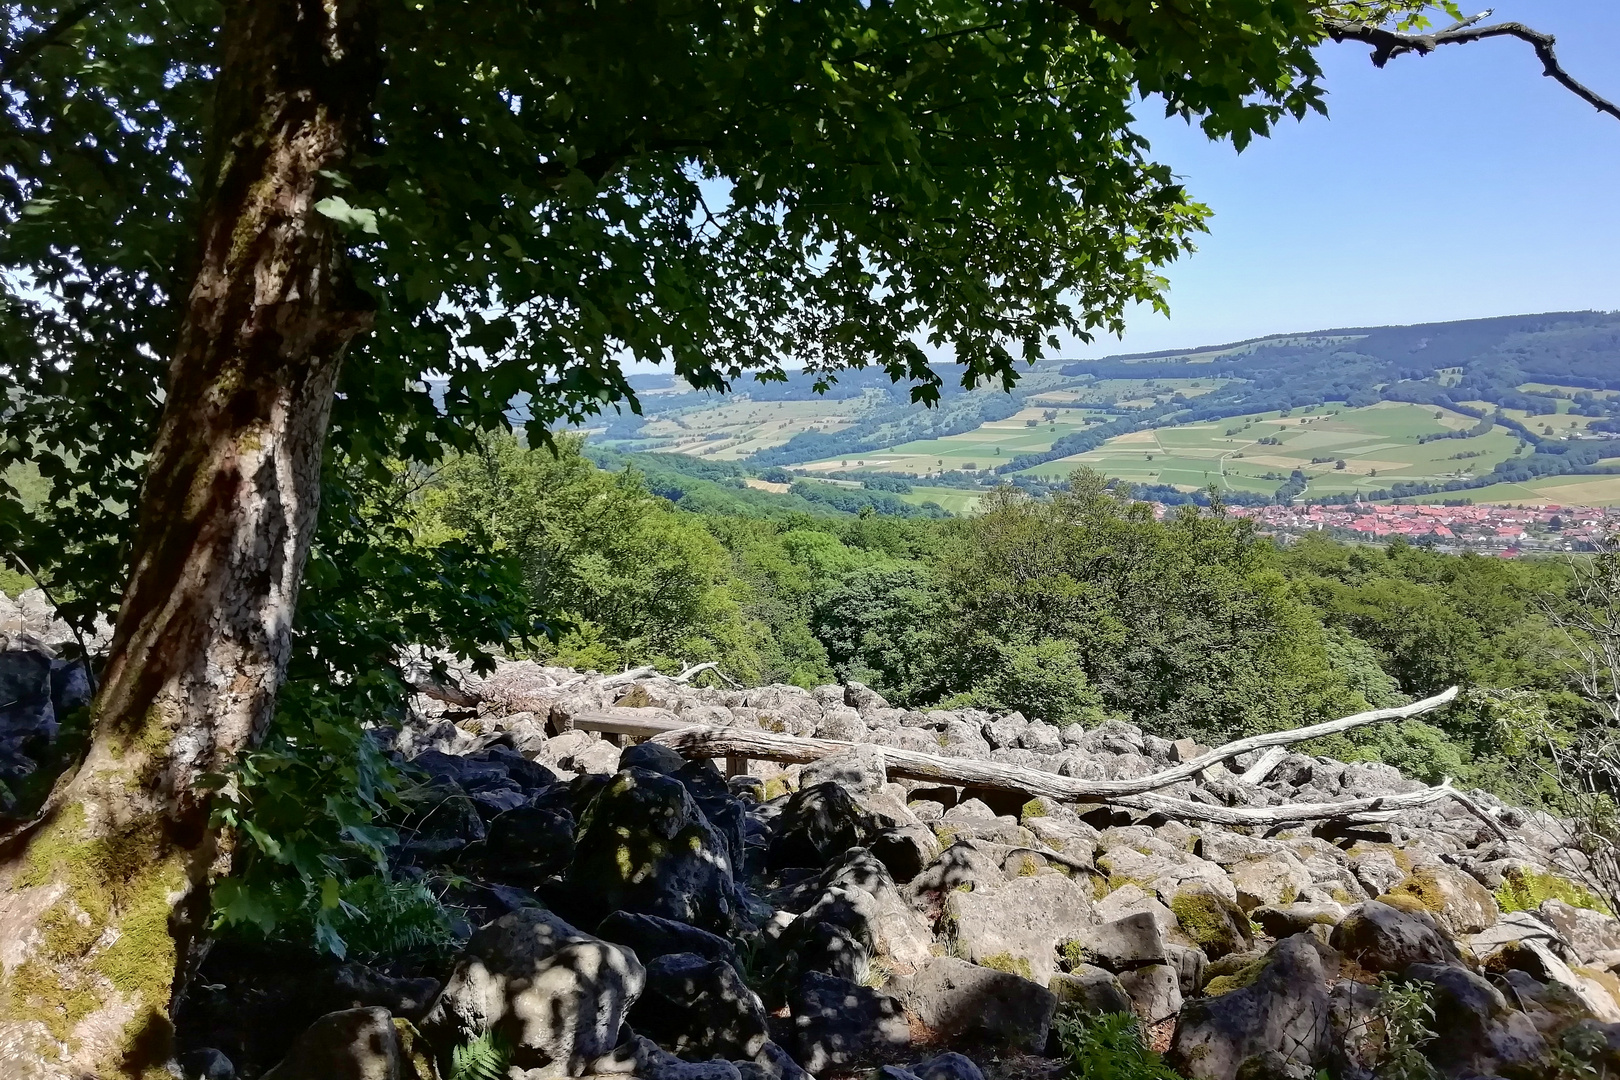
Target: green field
{"points": [[735, 428], [1565, 490], [1377, 444], [984, 447], [956, 500]]}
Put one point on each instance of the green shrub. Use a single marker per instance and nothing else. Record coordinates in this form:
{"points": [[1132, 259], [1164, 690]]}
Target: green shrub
{"points": [[1406, 1011], [1524, 890], [368, 918], [1107, 1047]]}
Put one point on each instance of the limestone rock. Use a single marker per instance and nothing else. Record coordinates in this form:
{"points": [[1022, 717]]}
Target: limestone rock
{"points": [[837, 1022], [557, 995], [1383, 938], [958, 1000], [1018, 926], [1285, 1011], [355, 1044], [700, 1008]]}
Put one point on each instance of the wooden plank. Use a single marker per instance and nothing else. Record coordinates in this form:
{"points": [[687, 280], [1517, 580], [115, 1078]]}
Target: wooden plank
{"points": [[636, 723]]}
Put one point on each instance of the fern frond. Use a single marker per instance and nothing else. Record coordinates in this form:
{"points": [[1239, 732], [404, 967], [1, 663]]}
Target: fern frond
{"points": [[483, 1058]]}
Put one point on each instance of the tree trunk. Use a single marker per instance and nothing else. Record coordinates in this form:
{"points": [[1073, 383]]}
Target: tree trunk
{"points": [[101, 903]]}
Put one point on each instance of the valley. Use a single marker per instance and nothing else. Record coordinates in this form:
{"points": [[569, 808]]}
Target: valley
{"points": [[1523, 409]]}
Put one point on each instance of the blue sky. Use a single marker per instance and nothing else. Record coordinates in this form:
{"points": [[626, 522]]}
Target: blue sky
{"points": [[1457, 185]]}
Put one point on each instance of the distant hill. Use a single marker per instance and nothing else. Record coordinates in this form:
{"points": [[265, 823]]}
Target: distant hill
{"points": [[1547, 388]]}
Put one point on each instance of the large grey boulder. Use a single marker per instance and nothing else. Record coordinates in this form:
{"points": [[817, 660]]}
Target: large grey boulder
{"points": [[645, 846], [1475, 1030], [1590, 933], [1538, 961], [355, 1044], [650, 937], [26, 708], [1090, 989], [1131, 900], [1019, 926], [1154, 990], [818, 824], [958, 1000], [856, 894], [837, 1022], [1271, 879], [964, 864], [1284, 1012], [860, 771], [700, 1008], [556, 994], [905, 850], [1460, 905], [1517, 926], [1383, 938], [1377, 870], [1131, 942], [1286, 920]]}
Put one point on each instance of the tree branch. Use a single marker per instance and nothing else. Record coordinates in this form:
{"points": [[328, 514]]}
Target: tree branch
{"points": [[46, 37], [715, 742], [1388, 43]]}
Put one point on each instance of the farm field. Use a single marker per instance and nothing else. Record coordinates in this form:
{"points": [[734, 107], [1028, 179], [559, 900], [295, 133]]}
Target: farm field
{"points": [[1378, 444], [735, 429], [1589, 490], [956, 500], [1135, 391], [982, 448]]}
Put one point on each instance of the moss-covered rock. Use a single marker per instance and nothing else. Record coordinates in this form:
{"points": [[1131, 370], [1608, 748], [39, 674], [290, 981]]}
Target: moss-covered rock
{"points": [[1213, 923], [1458, 903]]}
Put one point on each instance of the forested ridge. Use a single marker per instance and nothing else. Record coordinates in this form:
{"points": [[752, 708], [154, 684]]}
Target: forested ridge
{"points": [[1077, 607]]}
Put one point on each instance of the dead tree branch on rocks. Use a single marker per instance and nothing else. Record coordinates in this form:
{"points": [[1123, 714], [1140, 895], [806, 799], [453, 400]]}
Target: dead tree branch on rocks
{"points": [[715, 742]]}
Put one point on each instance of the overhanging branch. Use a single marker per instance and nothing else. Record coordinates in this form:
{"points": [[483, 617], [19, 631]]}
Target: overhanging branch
{"points": [[1388, 44]]}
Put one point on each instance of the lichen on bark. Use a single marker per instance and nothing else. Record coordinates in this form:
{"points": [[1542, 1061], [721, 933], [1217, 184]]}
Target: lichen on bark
{"points": [[104, 946]]}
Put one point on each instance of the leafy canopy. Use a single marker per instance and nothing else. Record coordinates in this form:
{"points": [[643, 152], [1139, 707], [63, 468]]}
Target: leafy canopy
{"points": [[550, 189]]}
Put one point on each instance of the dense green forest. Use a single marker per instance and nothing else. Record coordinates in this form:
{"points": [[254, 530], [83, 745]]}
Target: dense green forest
{"points": [[1077, 607]]}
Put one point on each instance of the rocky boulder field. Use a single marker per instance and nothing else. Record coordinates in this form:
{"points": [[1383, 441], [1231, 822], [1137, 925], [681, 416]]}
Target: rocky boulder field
{"points": [[623, 911]]}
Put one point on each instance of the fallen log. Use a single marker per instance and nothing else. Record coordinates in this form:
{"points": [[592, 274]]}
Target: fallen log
{"points": [[718, 742], [737, 743], [1375, 807]]}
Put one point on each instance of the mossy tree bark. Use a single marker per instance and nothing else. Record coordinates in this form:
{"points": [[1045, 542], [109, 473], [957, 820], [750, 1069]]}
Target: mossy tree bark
{"points": [[101, 902]]}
